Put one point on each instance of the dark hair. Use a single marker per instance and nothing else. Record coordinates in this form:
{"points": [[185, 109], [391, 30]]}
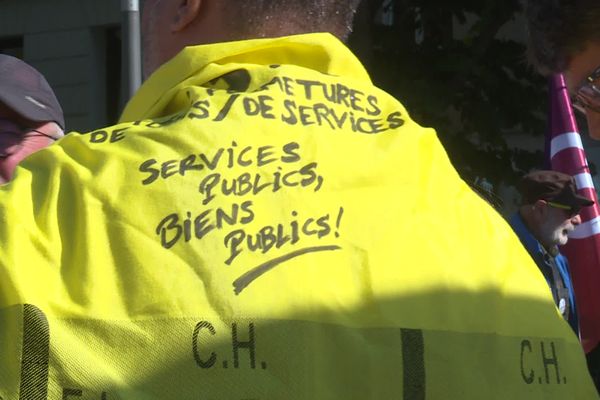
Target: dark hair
{"points": [[264, 18], [559, 29]]}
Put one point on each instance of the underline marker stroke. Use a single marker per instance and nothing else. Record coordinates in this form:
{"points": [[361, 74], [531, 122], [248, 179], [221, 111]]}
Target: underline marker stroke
{"points": [[245, 280]]}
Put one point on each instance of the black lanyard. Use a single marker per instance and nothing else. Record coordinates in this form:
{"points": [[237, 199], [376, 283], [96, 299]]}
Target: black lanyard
{"points": [[559, 292]]}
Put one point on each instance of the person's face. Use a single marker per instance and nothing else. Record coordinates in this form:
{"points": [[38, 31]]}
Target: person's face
{"points": [[18, 139], [556, 224], [580, 67]]}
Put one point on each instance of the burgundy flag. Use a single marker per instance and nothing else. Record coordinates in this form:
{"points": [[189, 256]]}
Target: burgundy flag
{"points": [[566, 154]]}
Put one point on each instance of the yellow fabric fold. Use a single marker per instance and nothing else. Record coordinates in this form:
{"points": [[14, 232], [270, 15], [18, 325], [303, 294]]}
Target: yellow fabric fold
{"points": [[264, 223]]}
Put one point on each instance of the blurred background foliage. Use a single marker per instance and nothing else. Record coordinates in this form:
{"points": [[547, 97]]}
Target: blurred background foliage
{"points": [[452, 67]]}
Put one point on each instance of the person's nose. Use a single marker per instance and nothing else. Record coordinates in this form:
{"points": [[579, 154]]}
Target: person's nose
{"points": [[576, 220]]}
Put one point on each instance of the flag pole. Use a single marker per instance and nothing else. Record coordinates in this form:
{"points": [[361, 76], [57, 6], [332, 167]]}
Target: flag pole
{"points": [[566, 154], [131, 48]]}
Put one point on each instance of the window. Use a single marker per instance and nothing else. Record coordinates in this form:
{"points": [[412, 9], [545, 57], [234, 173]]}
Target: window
{"points": [[13, 46]]}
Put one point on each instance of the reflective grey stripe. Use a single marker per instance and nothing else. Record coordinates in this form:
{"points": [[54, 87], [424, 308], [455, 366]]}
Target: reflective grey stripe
{"points": [[413, 361], [36, 354]]}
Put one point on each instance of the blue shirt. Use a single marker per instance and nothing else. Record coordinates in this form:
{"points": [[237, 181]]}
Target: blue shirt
{"points": [[540, 256]]}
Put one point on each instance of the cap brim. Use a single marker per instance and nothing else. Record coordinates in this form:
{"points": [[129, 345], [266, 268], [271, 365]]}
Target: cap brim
{"points": [[583, 201], [569, 198]]}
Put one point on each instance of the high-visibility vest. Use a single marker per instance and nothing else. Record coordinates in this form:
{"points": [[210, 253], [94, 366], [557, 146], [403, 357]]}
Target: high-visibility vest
{"points": [[264, 223]]}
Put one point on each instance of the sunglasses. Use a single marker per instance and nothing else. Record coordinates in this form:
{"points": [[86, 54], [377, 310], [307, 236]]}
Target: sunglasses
{"points": [[587, 96], [13, 138], [570, 210]]}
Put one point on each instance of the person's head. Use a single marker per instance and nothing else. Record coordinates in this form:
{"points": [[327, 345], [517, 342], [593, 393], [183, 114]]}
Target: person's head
{"points": [[170, 25], [30, 116], [551, 206], [564, 37]]}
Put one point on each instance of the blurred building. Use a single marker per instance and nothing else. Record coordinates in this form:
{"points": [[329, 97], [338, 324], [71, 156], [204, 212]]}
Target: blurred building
{"points": [[76, 45]]}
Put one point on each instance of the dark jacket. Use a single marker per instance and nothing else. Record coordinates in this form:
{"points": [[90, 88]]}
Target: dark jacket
{"points": [[543, 260]]}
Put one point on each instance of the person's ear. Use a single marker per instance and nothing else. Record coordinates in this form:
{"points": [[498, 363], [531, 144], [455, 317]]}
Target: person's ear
{"points": [[187, 12], [540, 208]]}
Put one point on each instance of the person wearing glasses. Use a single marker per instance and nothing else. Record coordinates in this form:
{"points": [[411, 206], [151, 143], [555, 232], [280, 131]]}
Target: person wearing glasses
{"points": [[564, 38], [31, 117], [265, 223], [549, 211]]}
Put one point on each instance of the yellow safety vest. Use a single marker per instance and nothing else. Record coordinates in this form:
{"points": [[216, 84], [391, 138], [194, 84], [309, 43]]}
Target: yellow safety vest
{"points": [[264, 223]]}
